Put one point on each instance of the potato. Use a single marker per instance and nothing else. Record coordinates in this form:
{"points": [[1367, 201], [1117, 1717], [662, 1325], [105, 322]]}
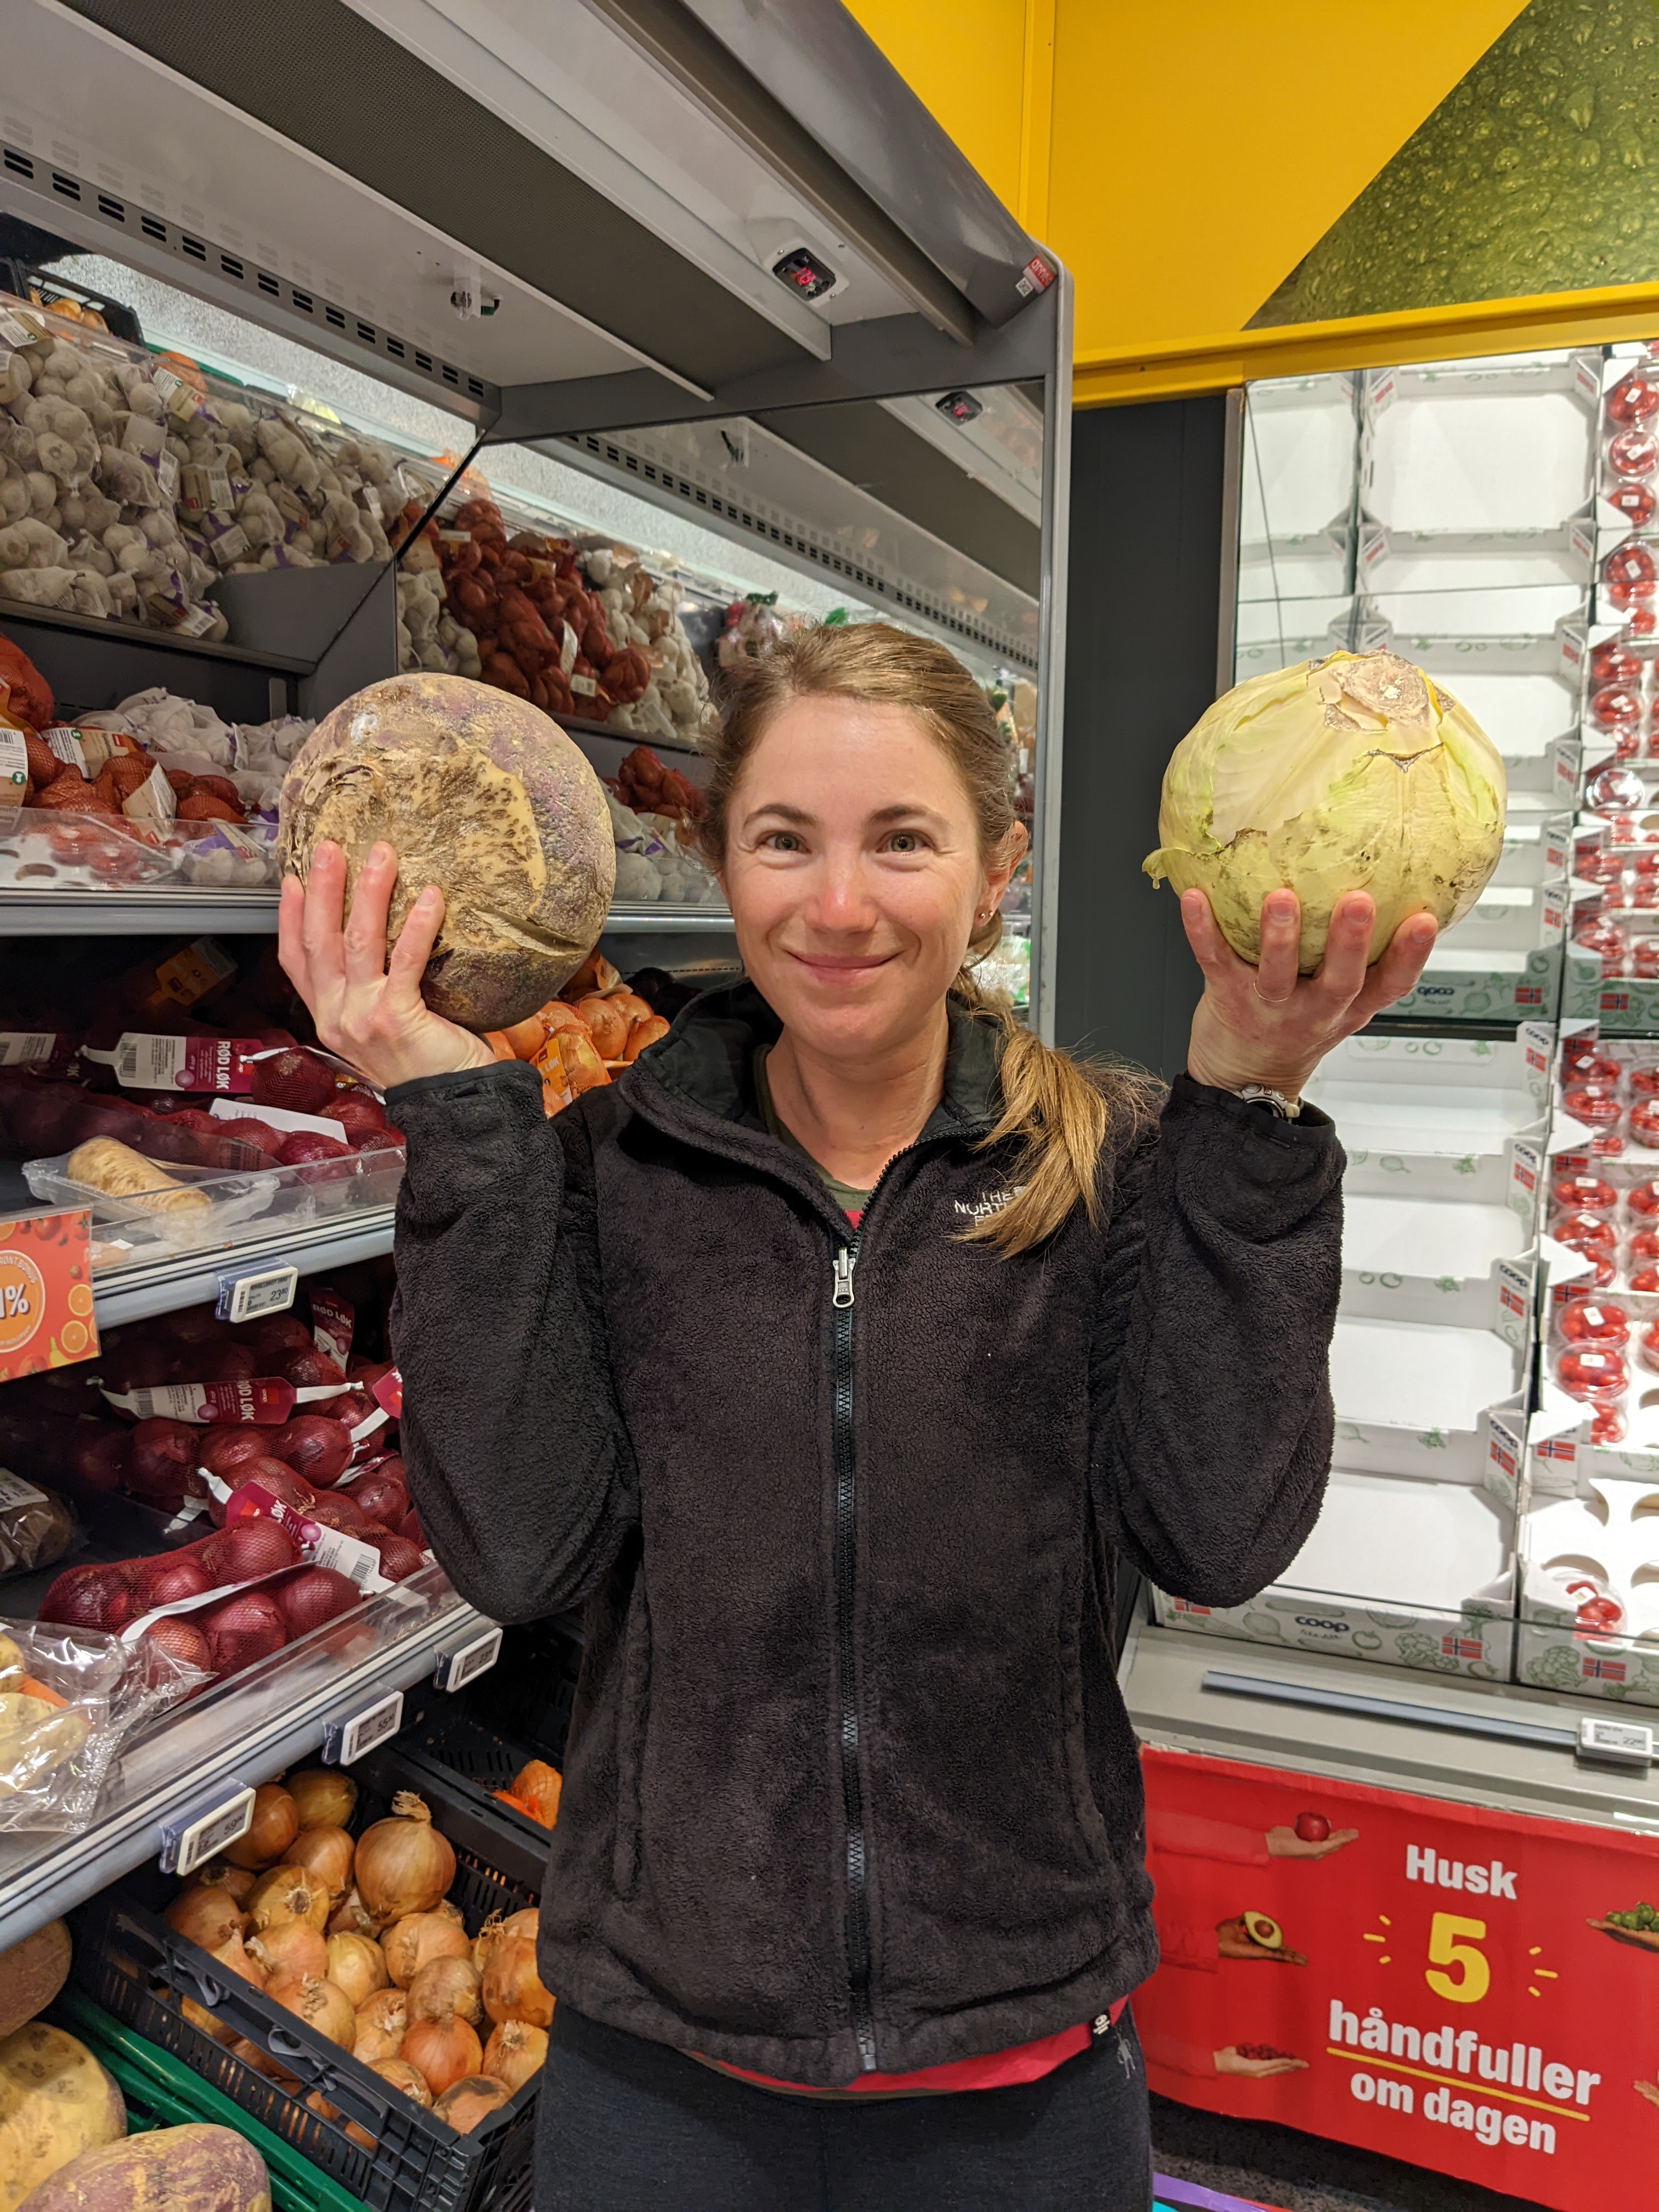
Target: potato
{"points": [[196, 2168]]}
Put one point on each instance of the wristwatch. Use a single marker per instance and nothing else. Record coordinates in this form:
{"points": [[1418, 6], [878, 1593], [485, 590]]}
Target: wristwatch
{"points": [[1259, 1094]]}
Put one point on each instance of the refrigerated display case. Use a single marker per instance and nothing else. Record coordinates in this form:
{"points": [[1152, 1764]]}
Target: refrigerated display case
{"points": [[1461, 1661], [626, 337]]}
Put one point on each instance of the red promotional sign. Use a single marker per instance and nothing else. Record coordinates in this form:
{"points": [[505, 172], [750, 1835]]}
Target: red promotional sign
{"points": [[1470, 1990]]}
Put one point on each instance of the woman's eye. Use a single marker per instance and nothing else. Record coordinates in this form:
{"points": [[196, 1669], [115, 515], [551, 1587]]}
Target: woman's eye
{"points": [[782, 840], [907, 841]]}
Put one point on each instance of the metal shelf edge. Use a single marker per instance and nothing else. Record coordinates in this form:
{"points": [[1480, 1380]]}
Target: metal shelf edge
{"points": [[191, 1278], [72, 1867], [89, 914]]}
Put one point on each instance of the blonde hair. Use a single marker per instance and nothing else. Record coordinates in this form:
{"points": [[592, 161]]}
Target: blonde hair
{"points": [[1063, 1112]]}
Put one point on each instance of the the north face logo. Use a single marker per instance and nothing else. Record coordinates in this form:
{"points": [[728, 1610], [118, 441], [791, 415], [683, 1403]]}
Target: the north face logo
{"points": [[989, 1202]]}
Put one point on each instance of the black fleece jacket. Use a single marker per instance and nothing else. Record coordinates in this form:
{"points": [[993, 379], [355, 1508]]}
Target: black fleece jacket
{"points": [[850, 1785]]}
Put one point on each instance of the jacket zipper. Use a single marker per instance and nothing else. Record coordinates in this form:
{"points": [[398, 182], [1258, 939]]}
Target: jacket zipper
{"points": [[844, 1259]]}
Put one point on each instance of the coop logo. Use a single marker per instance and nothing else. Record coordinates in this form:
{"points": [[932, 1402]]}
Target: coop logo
{"points": [[1489, 1877], [989, 1202], [1321, 1627]]}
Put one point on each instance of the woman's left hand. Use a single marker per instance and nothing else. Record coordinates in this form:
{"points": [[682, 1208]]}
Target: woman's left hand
{"points": [[1267, 1024]]}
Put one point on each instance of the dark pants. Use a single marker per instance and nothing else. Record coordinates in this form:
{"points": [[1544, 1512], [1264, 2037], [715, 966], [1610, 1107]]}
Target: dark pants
{"points": [[631, 2126]]}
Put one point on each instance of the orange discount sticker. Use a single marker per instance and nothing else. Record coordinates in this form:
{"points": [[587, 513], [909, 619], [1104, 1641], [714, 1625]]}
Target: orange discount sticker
{"points": [[46, 1306]]}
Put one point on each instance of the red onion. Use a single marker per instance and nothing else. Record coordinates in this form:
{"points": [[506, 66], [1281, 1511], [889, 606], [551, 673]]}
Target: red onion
{"points": [[297, 1081], [334, 1510], [140, 1363], [91, 1597], [357, 1113], [274, 1475], [163, 1458], [242, 1629], [182, 1639], [381, 1140], [308, 1366], [166, 1578], [228, 1447], [194, 1325], [275, 1334], [102, 1455], [223, 1362], [410, 1526], [244, 1553], [317, 1448], [399, 1559], [381, 1494], [318, 1594]]}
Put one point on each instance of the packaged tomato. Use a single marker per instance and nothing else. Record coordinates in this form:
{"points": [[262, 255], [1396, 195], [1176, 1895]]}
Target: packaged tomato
{"points": [[1634, 397], [1644, 1119], [1585, 1194], [1607, 1425], [1632, 453], [1616, 706], [1585, 1232], [1643, 1200], [1594, 1322], [1613, 662], [1604, 939], [1597, 1103], [1644, 957], [1647, 1347], [1581, 1060], [1645, 1278], [1634, 500], [1592, 1373]]}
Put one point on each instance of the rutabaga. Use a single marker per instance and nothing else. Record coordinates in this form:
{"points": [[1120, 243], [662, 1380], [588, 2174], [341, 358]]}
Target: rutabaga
{"points": [[1351, 773]]}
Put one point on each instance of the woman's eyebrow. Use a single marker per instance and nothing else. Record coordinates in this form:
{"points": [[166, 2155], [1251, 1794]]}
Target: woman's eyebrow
{"points": [[795, 815], [907, 810]]}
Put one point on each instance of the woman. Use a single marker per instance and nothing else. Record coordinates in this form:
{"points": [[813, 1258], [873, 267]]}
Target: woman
{"points": [[833, 1355]]}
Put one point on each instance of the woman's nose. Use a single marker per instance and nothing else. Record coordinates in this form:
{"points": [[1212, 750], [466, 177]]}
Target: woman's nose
{"points": [[844, 901]]}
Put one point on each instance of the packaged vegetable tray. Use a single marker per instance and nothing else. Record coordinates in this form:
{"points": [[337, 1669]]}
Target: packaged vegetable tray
{"points": [[128, 1960]]}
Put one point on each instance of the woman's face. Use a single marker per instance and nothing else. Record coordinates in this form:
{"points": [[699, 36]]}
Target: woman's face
{"points": [[854, 873]]}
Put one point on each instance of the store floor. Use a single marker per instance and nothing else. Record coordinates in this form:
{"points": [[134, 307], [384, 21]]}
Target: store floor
{"points": [[1267, 2164]]}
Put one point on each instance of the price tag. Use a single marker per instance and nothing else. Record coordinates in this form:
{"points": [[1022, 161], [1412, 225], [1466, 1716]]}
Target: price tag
{"points": [[193, 1838], [347, 1742], [259, 1290], [1616, 1743], [457, 1668]]}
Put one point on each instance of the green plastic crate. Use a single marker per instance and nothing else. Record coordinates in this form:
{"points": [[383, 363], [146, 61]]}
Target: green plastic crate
{"points": [[161, 2091]]}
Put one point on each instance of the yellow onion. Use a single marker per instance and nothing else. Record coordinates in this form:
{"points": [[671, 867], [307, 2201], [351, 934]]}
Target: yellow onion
{"points": [[442, 2051], [323, 1796], [288, 1893], [319, 2003], [410, 1944], [263, 2063], [275, 1824], [325, 1853], [207, 1917], [515, 2052], [512, 1988], [358, 1965], [453, 1984], [352, 1917], [1355, 772], [316, 2102], [401, 2076], [472, 2098], [402, 1864], [290, 1946]]}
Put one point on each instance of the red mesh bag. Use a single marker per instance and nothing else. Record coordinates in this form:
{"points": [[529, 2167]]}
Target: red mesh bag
{"points": [[241, 1630], [91, 1597]]}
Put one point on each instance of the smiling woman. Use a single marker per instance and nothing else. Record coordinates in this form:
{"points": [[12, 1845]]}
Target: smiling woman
{"points": [[852, 1809]]}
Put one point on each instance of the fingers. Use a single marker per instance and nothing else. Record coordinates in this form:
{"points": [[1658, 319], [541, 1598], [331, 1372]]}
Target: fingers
{"points": [[1281, 936], [1348, 947], [290, 950], [1401, 963], [365, 929], [416, 939], [320, 933], [1210, 948]]}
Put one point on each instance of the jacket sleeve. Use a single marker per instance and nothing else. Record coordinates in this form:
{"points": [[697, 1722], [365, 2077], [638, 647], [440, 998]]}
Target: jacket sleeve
{"points": [[517, 1456], [1210, 1397]]}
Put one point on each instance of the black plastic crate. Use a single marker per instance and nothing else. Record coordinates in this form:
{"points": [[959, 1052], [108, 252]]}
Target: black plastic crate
{"points": [[528, 1694], [442, 1732], [127, 1960]]}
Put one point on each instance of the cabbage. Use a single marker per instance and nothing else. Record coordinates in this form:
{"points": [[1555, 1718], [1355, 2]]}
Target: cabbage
{"points": [[1352, 772]]}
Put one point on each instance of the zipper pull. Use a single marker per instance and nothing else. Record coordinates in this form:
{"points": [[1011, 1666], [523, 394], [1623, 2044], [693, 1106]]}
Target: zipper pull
{"points": [[843, 1267]]}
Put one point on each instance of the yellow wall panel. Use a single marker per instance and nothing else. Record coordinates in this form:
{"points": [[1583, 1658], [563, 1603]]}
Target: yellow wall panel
{"points": [[1180, 160], [966, 60]]}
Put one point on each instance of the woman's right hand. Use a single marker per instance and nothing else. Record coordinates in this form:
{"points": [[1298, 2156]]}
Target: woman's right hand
{"points": [[368, 1008]]}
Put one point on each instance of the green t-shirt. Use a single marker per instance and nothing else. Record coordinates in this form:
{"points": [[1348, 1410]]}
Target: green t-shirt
{"points": [[852, 1202]]}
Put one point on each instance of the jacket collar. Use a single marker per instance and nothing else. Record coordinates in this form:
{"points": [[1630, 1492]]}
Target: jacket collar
{"points": [[697, 1083]]}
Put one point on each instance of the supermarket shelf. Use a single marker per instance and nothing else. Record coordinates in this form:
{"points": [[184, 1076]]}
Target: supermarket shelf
{"points": [[25, 913], [245, 1735], [190, 1278], [166, 641]]}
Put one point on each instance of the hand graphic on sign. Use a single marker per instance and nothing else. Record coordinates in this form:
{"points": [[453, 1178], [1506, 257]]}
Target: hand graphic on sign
{"points": [[1231, 2060], [1233, 1939], [1284, 1842]]}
